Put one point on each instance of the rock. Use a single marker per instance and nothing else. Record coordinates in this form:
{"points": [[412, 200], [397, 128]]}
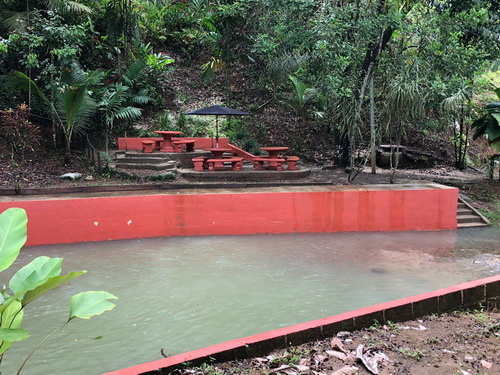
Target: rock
{"points": [[71, 176], [89, 178]]}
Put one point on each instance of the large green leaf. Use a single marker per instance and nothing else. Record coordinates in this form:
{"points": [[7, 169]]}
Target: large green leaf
{"points": [[480, 126], [495, 145], [88, 304], [12, 318], [12, 235], [6, 303], [493, 129], [50, 284], [492, 107], [17, 334], [35, 274]]}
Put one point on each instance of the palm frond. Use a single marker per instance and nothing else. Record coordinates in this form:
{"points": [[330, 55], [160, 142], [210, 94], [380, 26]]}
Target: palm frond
{"points": [[128, 113], [13, 21], [454, 102], [115, 98], [75, 108], [133, 72], [141, 98], [67, 6], [20, 81]]}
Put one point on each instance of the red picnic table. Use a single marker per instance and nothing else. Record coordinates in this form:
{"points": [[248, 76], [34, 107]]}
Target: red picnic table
{"points": [[167, 139], [217, 154], [274, 155]]}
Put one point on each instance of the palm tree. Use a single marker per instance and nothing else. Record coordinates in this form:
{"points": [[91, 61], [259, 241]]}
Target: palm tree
{"points": [[457, 107], [119, 100], [303, 97], [72, 106], [114, 107], [404, 103]]}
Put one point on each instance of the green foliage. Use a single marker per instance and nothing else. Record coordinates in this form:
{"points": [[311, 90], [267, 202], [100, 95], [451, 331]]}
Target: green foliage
{"points": [[85, 305], [302, 98], [412, 353], [14, 125], [119, 99], [209, 69], [195, 126], [34, 280], [170, 176], [281, 67], [12, 236], [489, 124], [239, 135], [46, 46], [72, 106], [335, 47]]}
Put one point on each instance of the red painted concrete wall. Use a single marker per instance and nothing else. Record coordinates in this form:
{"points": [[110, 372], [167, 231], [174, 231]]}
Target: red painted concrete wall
{"points": [[467, 295], [201, 143], [237, 212]]}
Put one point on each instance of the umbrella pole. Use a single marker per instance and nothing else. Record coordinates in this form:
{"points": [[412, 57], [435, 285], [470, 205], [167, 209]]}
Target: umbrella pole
{"points": [[216, 131]]}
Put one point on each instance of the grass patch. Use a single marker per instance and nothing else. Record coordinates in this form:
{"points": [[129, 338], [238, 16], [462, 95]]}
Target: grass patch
{"points": [[492, 213]]}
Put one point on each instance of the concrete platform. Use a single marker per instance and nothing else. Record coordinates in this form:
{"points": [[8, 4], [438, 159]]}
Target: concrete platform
{"points": [[246, 174]]}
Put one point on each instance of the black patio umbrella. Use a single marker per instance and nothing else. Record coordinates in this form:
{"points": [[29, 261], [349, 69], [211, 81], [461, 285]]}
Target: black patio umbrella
{"points": [[217, 110]]}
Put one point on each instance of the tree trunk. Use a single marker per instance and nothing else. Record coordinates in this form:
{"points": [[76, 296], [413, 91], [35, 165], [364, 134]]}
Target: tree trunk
{"points": [[372, 129], [371, 59], [67, 152]]}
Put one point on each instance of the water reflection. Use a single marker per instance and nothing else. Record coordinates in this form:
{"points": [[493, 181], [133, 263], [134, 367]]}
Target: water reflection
{"points": [[186, 293]]}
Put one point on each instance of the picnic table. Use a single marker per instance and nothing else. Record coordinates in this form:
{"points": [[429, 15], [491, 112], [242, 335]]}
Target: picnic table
{"points": [[217, 154], [167, 139], [275, 161]]}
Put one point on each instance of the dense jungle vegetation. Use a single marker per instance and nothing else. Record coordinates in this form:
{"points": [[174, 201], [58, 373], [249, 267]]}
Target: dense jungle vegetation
{"points": [[326, 78]]}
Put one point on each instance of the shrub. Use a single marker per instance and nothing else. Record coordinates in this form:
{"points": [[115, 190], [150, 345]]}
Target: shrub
{"points": [[18, 131]]}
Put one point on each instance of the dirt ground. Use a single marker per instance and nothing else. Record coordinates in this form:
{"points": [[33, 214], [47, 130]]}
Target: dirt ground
{"points": [[459, 343], [43, 170]]}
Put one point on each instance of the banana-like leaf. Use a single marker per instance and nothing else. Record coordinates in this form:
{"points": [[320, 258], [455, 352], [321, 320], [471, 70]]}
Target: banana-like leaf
{"points": [[6, 303], [495, 145], [17, 334], [12, 235], [88, 304], [492, 106], [36, 273], [480, 126], [12, 318], [493, 129], [50, 284]]}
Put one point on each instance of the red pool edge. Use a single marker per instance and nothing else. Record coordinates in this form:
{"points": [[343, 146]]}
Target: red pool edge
{"points": [[484, 292]]}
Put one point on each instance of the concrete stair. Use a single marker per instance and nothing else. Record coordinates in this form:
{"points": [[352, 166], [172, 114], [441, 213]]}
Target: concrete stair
{"points": [[141, 161], [468, 217]]}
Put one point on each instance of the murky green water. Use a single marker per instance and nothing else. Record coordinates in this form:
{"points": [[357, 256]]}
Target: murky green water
{"points": [[187, 293]]}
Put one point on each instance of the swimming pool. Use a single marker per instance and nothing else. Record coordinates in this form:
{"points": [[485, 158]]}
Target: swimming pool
{"points": [[184, 293]]}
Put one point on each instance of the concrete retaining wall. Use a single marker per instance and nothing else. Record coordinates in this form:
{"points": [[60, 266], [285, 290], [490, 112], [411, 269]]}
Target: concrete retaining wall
{"points": [[239, 211], [136, 143]]}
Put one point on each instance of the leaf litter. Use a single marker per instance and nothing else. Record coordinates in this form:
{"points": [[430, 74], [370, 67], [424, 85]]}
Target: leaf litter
{"points": [[454, 343]]}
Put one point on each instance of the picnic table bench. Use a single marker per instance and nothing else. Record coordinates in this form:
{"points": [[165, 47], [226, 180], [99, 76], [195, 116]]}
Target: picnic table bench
{"points": [[260, 163], [189, 143], [236, 163], [147, 146]]}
